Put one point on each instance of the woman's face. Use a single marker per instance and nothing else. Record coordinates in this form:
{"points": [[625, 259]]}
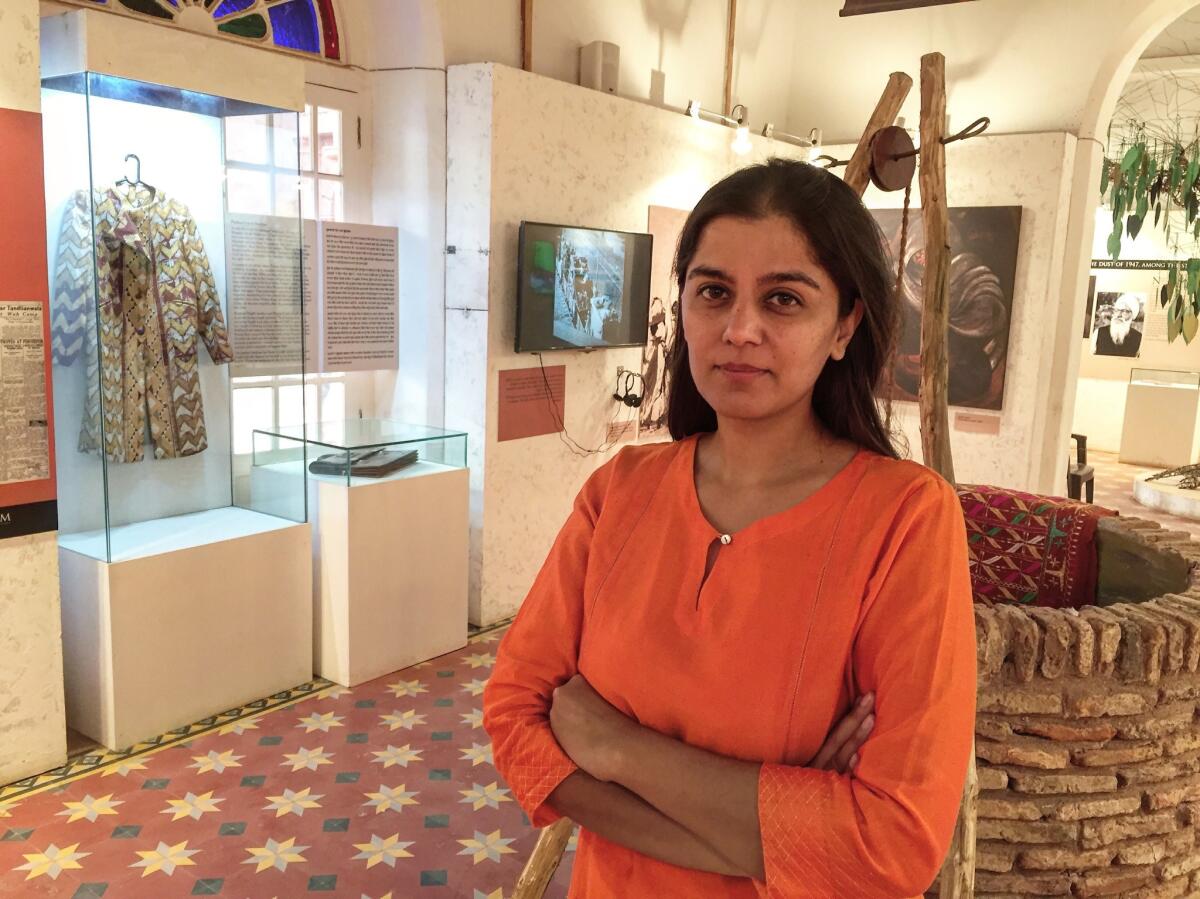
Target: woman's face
{"points": [[760, 317]]}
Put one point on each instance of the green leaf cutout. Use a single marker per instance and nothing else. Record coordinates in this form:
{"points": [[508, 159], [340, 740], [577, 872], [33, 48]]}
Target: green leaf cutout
{"points": [[1189, 323], [1133, 226]]}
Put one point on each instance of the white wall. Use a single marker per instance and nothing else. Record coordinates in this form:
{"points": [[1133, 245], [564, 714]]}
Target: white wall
{"points": [[1032, 67], [33, 730], [408, 88], [671, 50], [19, 85], [525, 147]]}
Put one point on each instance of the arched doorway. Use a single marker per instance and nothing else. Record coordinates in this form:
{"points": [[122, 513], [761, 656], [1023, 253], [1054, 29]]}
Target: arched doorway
{"points": [[1112, 72]]}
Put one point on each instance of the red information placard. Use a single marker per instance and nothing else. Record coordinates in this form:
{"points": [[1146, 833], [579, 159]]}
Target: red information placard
{"points": [[527, 408], [27, 482]]}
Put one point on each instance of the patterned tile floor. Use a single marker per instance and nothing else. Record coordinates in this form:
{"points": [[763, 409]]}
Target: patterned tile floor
{"points": [[386, 790], [1114, 490]]}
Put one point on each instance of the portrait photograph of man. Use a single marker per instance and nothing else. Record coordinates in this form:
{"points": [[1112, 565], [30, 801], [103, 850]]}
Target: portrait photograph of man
{"points": [[1119, 320]]}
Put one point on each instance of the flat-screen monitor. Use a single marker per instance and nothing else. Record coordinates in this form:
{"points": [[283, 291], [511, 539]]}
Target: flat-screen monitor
{"points": [[581, 288]]}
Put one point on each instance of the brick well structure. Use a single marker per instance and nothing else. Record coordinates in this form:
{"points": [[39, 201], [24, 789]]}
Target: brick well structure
{"points": [[1088, 741]]}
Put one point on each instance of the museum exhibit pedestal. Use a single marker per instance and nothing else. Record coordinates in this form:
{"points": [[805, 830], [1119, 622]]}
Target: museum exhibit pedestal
{"points": [[390, 571], [1160, 427], [1167, 497], [194, 615], [390, 553]]}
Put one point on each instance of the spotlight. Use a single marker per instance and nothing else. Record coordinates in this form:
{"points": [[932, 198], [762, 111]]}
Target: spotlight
{"points": [[741, 143]]}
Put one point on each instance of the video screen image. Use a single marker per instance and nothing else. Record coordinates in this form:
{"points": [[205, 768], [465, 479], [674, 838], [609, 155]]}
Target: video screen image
{"points": [[582, 288]]}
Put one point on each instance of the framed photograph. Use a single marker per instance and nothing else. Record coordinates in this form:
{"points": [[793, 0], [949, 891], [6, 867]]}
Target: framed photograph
{"points": [[1120, 319]]}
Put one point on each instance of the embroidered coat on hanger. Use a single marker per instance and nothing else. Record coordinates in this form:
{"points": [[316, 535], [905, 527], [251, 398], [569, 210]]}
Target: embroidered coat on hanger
{"points": [[155, 295]]}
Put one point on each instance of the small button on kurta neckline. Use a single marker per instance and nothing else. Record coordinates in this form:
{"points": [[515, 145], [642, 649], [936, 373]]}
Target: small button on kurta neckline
{"points": [[726, 539]]}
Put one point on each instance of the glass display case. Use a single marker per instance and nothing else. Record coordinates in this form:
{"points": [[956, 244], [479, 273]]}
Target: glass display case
{"points": [[164, 298], [389, 504], [1157, 377], [361, 450], [1161, 427]]}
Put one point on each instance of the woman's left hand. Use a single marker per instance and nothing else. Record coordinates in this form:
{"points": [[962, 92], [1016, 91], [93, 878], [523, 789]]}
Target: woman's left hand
{"points": [[589, 729]]}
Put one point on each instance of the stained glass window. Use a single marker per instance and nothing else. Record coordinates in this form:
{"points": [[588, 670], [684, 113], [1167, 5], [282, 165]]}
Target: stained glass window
{"points": [[294, 25], [303, 26]]}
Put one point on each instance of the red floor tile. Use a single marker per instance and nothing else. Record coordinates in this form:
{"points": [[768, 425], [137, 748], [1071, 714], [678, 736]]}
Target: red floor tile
{"points": [[384, 790]]}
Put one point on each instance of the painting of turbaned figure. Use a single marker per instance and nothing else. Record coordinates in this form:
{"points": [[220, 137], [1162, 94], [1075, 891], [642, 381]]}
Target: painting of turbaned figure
{"points": [[983, 243]]}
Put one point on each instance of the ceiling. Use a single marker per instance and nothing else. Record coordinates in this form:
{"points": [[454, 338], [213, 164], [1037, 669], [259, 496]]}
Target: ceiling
{"points": [[1161, 99], [1180, 38]]}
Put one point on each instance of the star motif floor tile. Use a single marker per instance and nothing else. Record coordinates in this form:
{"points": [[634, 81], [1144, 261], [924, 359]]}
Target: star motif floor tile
{"points": [[385, 791]]}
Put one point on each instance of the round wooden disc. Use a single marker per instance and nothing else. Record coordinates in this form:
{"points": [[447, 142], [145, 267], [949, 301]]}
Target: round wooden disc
{"points": [[888, 172]]}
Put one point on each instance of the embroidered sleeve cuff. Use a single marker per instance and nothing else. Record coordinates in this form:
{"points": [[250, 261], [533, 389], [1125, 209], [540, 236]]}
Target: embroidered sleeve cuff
{"points": [[794, 811], [824, 834], [535, 771]]}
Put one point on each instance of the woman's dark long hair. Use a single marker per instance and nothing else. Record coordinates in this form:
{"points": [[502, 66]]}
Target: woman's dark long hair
{"points": [[850, 247]]}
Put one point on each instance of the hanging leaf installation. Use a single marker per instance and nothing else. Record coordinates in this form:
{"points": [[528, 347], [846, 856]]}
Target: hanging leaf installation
{"points": [[1164, 175]]}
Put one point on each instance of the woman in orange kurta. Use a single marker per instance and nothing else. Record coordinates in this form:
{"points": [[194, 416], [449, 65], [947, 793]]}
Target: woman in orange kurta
{"points": [[715, 606]]}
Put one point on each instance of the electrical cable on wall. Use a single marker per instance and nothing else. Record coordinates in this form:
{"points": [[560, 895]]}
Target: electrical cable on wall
{"points": [[629, 400]]}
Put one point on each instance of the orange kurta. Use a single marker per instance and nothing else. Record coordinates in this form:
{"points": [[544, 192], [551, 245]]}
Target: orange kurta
{"points": [[862, 587]]}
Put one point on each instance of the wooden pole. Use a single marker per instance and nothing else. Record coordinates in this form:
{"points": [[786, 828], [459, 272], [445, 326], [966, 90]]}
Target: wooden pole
{"points": [[527, 35], [539, 870], [935, 314], [730, 32], [957, 880], [893, 97]]}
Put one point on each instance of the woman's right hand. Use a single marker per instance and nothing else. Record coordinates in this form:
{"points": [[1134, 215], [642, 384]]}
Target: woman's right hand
{"points": [[840, 751]]}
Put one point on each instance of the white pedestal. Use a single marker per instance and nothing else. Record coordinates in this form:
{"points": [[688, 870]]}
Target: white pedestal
{"points": [[1166, 497], [1160, 427], [389, 570], [195, 615]]}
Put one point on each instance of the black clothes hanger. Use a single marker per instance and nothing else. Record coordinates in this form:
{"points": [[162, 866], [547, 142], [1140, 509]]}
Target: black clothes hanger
{"points": [[137, 182]]}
